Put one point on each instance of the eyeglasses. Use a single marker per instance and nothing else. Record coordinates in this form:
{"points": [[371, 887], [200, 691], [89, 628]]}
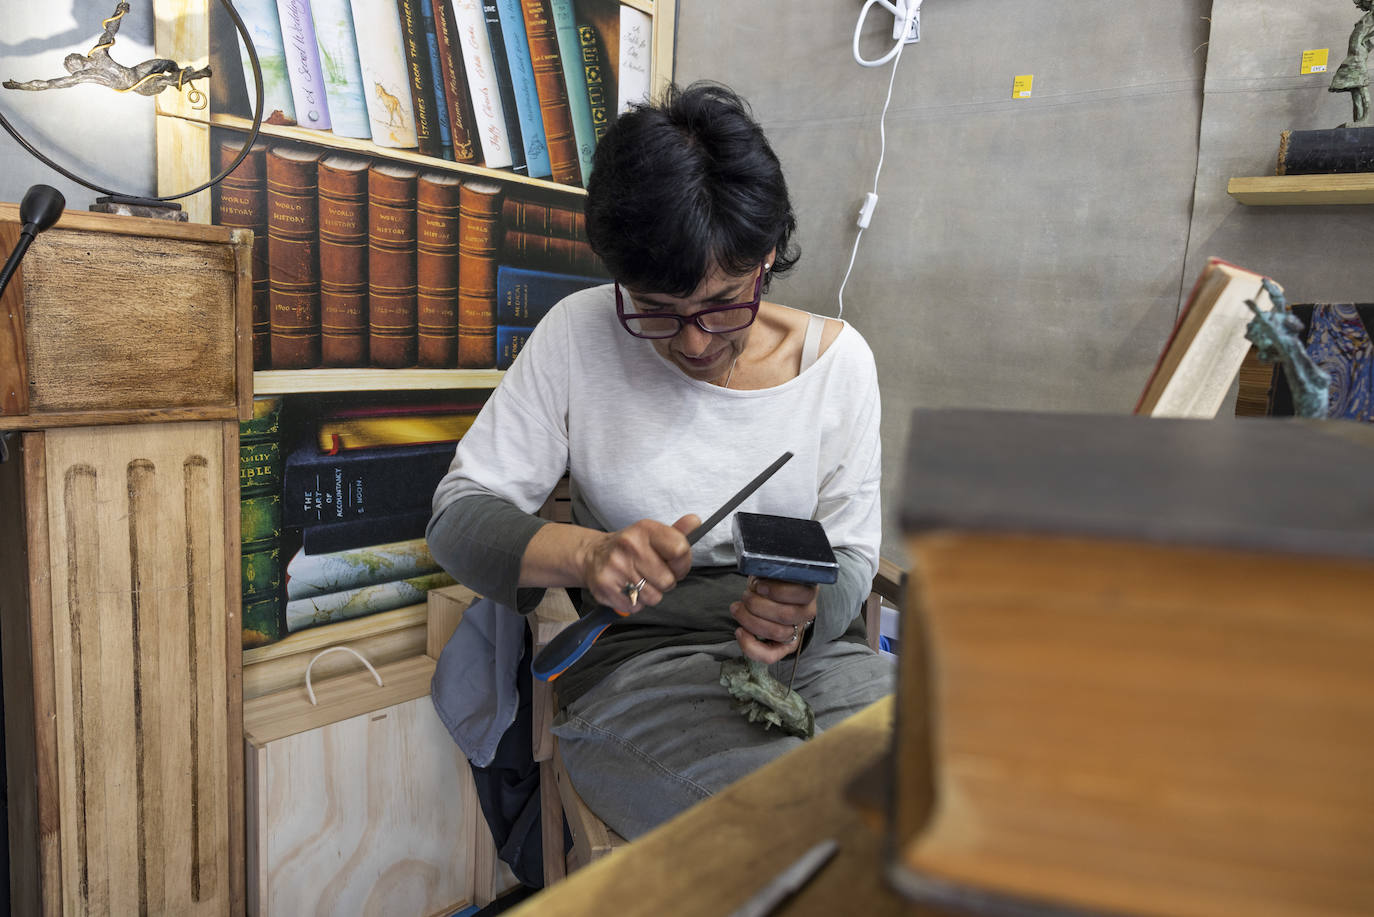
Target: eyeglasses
{"points": [[713, 320]]}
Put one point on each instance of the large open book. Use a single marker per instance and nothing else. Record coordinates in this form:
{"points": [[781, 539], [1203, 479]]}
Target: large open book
{"points": [[1140, 679], [1208, 344]]}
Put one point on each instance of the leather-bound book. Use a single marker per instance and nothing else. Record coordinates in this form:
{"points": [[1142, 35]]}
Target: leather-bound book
{"points": [[543, 218], [1339, 149], [600, 96], [391, 280], [479, 223], [343, 260], [293, 254], [436, 268], [568, 256], [462, 122], [241, 200], [552, 90], [422, 81]]}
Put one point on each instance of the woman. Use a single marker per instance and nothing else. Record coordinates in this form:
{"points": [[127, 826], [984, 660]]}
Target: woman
{"points": [[661, 394]]}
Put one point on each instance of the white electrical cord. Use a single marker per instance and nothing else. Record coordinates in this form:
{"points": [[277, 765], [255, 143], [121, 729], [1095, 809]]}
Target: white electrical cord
{"points": [[896, 56]]}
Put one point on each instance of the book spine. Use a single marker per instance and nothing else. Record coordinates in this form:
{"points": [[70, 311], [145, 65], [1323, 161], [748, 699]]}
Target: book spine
{"points": [[360, 533], [264, 26], [545, 219], [551, 91], [319, 574], [509, 340], [479, 217], [461, 120], [436, 269], [575, 81], [636, 56], [526, 93], [490, 118], [241, 200], [391, 279], [303, 64], [351, 485], [550, 253], [293, 257], [363, 601], [427, 133], [386, 77], [340, 69], [260, 477], [505, 86], [1317, 152], [524, 295], [594, 73], [343, 263]]}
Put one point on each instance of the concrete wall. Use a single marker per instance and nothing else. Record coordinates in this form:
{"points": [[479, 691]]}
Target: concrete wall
{"points": [[1024, 253], [1032, 254]]}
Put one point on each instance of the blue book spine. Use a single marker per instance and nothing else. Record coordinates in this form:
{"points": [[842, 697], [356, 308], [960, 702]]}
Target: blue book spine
{"points": [[509, 340], [360, 482], [522, 81], [435, 69], [525, 295], [505, 87]]}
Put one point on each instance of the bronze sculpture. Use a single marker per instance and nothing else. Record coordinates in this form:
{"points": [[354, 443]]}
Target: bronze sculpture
{"points": [[97, 66], [1352, 75]]}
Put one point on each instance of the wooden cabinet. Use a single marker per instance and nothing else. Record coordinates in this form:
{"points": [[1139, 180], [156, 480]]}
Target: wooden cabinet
{"points": [[119, 585]]}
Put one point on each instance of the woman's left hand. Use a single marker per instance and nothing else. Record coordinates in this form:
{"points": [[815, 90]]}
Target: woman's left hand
{"points": [[773, 614]]}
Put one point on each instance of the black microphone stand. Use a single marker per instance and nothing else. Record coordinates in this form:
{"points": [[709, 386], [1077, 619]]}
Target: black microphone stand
{"points": [[41, 207]]}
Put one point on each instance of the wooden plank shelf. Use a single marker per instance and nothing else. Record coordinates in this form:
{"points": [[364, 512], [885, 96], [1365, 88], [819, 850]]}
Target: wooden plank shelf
{"points": [[298, 381], [1294, 190], [332, 141]]}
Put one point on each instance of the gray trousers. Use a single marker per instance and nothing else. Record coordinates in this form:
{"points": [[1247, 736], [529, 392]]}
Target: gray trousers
{"points": [[659, 734]]}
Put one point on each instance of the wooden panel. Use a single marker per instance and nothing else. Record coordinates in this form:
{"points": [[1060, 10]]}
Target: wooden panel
{"points": [[119, 322], [382, 638], [362, 816], [137, 550], [1288, 190], [14, 364], [30, 713], [182, 33], [286, 713], [446, 607]]}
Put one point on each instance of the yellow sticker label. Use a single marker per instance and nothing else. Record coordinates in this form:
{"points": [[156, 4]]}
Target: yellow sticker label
{"points": [[1021, 86], [1314, 61]]}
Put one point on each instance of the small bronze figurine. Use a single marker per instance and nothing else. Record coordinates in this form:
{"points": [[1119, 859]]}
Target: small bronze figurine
{"points": [[1275, 335], [1352, 75], [96, 66]]}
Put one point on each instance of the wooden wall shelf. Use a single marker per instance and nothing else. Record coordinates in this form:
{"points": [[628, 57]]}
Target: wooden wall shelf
{"points": [[299, 381], [330, 140], [1293, 190]]}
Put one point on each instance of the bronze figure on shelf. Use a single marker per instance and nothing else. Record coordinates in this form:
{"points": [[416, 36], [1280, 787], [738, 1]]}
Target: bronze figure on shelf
{"points": [[96, 66], [1276, 335], [1352, 75]]}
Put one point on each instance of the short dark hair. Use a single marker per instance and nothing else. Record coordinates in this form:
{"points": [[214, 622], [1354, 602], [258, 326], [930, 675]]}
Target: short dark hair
{"points": [[685, 183]]}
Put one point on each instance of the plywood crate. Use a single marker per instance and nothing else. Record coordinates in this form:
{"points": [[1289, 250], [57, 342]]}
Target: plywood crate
{"points": [[362, 804]]}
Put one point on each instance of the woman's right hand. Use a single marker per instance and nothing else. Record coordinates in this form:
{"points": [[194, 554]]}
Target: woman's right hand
{"points": [[657, 553]]}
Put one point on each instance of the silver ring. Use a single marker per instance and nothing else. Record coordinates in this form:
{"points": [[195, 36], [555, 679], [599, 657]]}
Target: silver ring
{"points": [[631, 590], [796, 631]]}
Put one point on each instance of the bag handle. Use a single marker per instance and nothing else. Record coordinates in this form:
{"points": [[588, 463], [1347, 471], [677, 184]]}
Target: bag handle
{"points": [[336, 649]]}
